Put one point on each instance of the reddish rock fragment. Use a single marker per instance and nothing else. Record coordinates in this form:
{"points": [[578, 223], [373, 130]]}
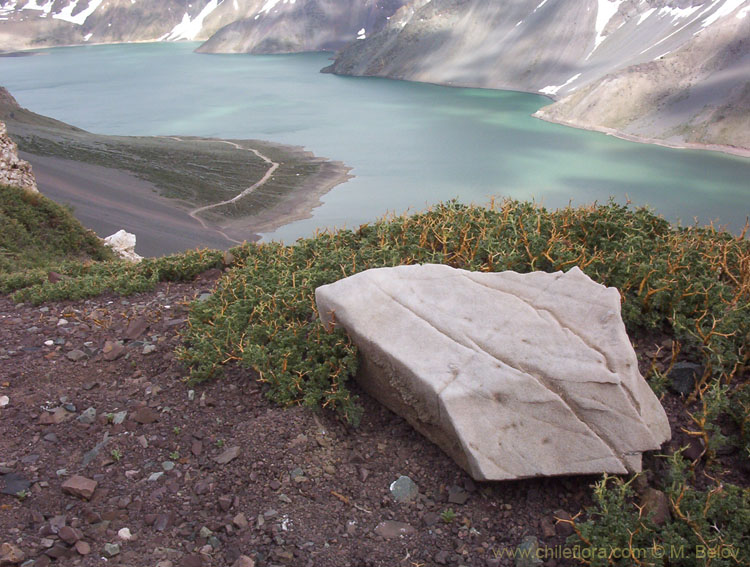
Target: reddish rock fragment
{"points": [[244, 561], [136, 328], [80, 486], [391, 529], [59, 415], [145, 415], [69, 535], [82, 547], [113, 350], [11, 554], [228, 455]]}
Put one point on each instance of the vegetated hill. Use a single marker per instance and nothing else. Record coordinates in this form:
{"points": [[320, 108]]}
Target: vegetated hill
{"points": [[36, 232], [674, 70], [267, 26]]}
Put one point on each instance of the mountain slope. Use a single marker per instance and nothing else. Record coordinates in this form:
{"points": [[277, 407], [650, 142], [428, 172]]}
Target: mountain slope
{"points": [[674, 50], [258, 26], [698, 94], [303, 25], [28, 24]]}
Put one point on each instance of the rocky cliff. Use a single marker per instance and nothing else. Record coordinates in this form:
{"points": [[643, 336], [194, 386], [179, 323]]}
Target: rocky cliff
{"points": [[671, 70], [13, 170]]}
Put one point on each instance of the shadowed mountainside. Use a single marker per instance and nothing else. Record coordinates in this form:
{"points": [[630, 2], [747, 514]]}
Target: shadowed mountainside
{"points": [[674, 71], [312, 25], [257, 26]]}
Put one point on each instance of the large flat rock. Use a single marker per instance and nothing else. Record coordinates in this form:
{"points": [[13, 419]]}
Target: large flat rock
{"points": [[513, 375]]}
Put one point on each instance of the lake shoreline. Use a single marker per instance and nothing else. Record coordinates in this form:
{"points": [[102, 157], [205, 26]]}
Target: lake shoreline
{"points": [[173, 192], [729, 150], [725, 149], [308, 197], [539, 114], [412, 145]]}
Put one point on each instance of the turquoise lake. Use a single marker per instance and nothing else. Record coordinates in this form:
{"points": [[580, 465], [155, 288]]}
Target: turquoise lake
{"points": [[409, 144]]}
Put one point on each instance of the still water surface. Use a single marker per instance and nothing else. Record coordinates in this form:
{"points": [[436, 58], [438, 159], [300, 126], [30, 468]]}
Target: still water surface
{"points": [[410, 144]]}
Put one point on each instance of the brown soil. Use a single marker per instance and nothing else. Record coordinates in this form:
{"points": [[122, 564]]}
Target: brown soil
{"points": [[302, 490]]}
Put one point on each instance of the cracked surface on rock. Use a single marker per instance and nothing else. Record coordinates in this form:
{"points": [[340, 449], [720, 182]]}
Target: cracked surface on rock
{"points": [[513, 375]]}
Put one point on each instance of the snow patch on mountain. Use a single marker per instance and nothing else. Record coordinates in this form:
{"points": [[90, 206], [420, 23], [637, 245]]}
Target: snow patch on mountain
{"points": [[727, 8], [7, 9], [190, 28], [553, 90], [45, 8], [605, 11], [66, 14], [271, 4], [645, 16], [677, 13]]}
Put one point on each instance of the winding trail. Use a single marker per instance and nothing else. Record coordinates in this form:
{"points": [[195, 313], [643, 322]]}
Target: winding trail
{"points": [[245, 192]]}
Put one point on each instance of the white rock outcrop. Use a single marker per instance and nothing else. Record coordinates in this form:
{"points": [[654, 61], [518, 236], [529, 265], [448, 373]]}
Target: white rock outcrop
{"points": [[13, 170], [512, 375], [123, 243]]}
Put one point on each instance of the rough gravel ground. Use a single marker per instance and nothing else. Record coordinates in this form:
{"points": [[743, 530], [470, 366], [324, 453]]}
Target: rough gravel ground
{"points": [[219, 476]]}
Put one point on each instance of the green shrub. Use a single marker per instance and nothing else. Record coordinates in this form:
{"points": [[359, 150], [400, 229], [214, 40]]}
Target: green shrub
{"points": [[81, 280], [708, 527], [36, 232], [693, 283]]}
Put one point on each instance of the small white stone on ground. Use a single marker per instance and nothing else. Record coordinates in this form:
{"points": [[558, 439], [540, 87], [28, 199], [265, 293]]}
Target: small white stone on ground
{"points": [[123, 244]]}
